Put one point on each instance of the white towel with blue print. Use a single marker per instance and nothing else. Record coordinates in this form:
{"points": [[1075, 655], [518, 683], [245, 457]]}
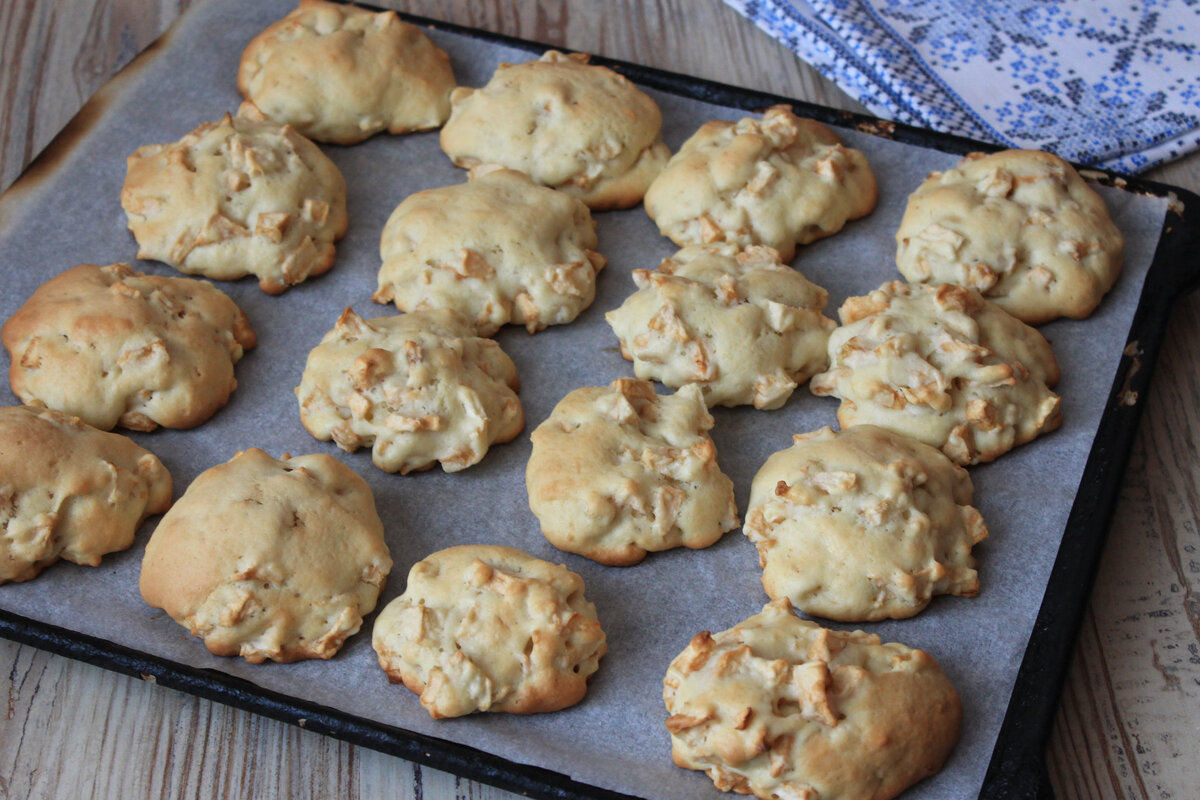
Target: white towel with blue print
{"points": [[1113, 83]]}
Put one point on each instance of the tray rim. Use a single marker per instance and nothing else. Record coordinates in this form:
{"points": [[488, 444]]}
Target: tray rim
{"points": [[1017, 765]]}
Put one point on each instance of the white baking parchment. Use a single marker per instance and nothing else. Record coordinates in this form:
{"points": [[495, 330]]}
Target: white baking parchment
{"points": [[615, 738]]}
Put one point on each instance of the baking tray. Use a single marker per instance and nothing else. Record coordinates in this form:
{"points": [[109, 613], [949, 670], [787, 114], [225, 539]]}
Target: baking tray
{"points": [[1011, 762]]}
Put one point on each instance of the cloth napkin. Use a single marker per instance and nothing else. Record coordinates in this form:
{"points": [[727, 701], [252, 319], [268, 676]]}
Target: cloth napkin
{"points": [[1112, 83]]}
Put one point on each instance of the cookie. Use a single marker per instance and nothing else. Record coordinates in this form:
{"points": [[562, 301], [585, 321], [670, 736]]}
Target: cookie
{"points": [[70, 491], [499, 249], [243, 196], [780, 181], [418, 388], [581, 129], [942, 365], [780, 707], [863, 525], [1020, 226], [269, 558], [117, 347], [487, 628], [744, 326], [618, 471], [340, 74]]}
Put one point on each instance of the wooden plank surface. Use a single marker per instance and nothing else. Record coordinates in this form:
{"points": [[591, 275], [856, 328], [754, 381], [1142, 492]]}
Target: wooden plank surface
{"points": [[1129, 722]]}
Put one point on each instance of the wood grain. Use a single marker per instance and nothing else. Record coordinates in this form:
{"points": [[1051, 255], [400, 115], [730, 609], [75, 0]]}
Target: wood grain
{"points": [[1129, 722], [1129, 718]]}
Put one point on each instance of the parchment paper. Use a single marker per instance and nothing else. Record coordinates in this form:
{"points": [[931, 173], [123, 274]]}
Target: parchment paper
{"points": [[615, 738]]}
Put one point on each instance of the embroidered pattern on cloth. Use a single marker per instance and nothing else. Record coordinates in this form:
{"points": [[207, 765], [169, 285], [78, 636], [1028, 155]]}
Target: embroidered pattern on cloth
{"points": [[1114, 83]]}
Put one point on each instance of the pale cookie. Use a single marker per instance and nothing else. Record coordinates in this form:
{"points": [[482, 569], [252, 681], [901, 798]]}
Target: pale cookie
{"points": [[269, 558], [341, 74], [117, 347], [499, 249], [863, 525], [780, 707], [418, 388], [779, 181], [486, 628], [942, 365], [1020, 226], [618, 471], [744, 326], [243, 196], [580, 129], [70, 491]]}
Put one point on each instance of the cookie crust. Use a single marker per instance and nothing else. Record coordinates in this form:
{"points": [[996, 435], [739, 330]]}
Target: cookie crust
{"points": [[863, 524], [581, 129], [269, 558], [739, 323], [341, 74], [70, 491], [499, 249], [944, 366], [118, 347], [1021, 227], [779, 181], [619, 471], [778, 706], [418, 389], [242, 196], [489, 628]]}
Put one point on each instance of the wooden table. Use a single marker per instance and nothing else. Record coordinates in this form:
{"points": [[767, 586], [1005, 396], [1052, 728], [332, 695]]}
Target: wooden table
{"points": [[1129, 721]]}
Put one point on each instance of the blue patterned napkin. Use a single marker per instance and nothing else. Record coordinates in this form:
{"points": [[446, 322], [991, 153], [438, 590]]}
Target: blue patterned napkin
{"points": [[1114, 83]]}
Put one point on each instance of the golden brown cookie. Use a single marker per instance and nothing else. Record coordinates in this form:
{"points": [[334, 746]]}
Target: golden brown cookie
{"points": [[117, 347], [70, 491], [779, 181], [243, 196], [1021, 227], [863, 524], [498, 249], [618, 471], [418, 388], [487, 628], [780, 707], [269, 558], [341, 74], [942, 365], [583, 130], [744, 326]]}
